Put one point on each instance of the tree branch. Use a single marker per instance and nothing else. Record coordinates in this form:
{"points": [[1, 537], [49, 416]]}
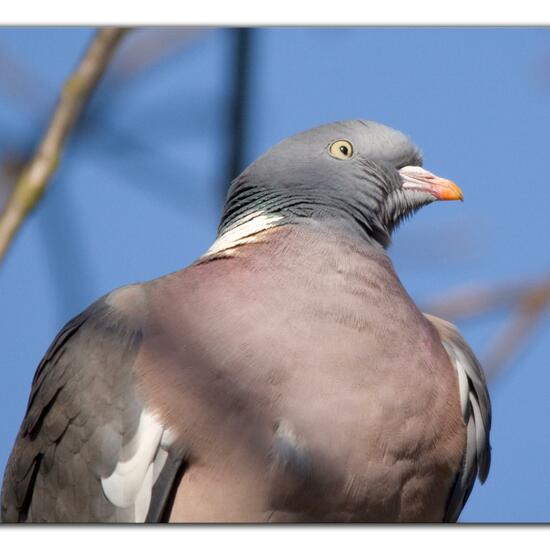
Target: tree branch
{"points": [[74, 96], [528, 303]]}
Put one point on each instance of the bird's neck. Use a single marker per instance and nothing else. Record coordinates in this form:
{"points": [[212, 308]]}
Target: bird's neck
{"points": [[245, 230], [258, 225], [254, 207]]}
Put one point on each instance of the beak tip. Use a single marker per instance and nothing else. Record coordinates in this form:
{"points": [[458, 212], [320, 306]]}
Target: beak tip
{"points": [[450, 191]]}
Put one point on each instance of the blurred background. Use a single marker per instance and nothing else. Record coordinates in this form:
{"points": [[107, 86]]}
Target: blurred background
{"points": [[181, 111]]}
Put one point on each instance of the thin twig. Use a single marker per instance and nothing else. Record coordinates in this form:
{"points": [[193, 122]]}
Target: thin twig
{"points": [[478, 300], [515, 335], [148, 49], [528, 303], [74, 96], [507, 344]]}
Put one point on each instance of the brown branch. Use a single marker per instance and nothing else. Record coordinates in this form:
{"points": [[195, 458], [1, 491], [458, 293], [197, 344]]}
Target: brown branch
{"points": [[528, 303], [475, 301], [509, 342], [531, 308], [74, 96], [18, 82], [148, 48]]}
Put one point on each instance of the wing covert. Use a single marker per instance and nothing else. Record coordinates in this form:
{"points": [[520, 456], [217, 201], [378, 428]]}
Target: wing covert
{"points": [[476, 411], [88, 449]]}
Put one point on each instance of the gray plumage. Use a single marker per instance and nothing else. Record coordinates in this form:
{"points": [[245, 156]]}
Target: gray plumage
{"points": [[82, 413], [298, 179], [476, 411], [285, 376]]}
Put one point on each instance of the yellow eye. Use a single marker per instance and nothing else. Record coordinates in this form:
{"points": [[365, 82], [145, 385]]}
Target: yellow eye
{"points": [[341, 149]]}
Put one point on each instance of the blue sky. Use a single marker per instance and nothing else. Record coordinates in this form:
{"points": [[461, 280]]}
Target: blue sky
{"points": [[138, 194]]}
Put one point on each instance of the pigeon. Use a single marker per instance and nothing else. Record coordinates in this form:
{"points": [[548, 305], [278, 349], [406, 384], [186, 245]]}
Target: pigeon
{"points": [[284, 376]]}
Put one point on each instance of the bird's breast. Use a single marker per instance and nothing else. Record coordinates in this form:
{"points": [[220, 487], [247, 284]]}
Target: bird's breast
{"points": [[368, 399], [317, 361]]}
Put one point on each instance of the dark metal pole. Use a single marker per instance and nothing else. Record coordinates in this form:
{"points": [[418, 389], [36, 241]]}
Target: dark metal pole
{"points": [[242, 39]]}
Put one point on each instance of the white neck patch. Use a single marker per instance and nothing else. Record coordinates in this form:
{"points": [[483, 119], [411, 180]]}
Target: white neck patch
{"points": [[245, 232]]}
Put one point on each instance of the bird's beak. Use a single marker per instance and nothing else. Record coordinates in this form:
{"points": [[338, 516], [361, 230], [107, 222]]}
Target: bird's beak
{"points": [[417, 179]]}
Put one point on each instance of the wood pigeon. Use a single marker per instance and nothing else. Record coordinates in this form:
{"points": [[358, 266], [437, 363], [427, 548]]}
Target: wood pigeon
{"points": [[285, 376]]}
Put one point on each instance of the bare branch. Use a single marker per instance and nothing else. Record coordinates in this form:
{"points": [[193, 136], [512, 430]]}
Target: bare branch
{"points": [[11, 166], [18, 82], [148, 48], [509, 342], [478, 300], [532, 306], [74, 96], [528, 303]]}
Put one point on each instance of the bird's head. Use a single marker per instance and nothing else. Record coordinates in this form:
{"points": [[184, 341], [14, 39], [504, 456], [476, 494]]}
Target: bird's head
{"points": [[357, 173]]}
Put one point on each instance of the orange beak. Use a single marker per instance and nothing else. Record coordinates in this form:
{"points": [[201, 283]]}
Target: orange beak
{"points": [[418, 179]]}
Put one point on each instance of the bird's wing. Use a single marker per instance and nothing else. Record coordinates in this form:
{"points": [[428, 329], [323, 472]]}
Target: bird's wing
{"points": [[476, 410], [88, 449]]}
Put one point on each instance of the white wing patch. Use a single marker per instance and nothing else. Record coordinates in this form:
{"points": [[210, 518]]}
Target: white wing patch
{"points": [[459, 362], [141, 461], [463, 384]]}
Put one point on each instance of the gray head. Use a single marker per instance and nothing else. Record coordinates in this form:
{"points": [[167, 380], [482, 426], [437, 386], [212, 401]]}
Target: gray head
{"points": [[355, 173]]}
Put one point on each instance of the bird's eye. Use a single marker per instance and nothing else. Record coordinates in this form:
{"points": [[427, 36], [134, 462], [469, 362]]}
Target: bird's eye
{"points": [[341, 149]]}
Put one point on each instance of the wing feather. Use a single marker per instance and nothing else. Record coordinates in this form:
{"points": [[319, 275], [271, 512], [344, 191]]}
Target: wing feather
{"points": [[88, 450], [476, 411]]}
